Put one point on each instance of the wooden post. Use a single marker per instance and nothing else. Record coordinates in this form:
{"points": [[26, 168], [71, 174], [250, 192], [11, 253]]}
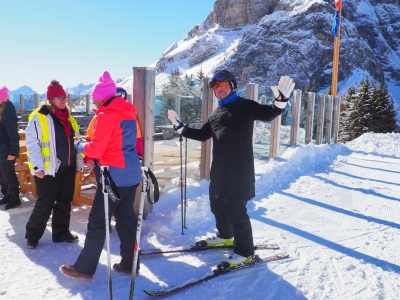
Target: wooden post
{"points": [[328, 124], [178, 104], [252, 94], [320, 122], [275, 137], [36, 101], [21, 101], [144, 102], [87, 101], [205, 155], [310, 117], [336, 116], [335, 64], [252, 91], [294, 130], [70, 102], [263, 100]]}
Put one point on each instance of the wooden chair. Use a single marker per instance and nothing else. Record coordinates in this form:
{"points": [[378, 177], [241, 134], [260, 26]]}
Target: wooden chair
{"points": [[22, 135], [80, 179], [26, 180]]}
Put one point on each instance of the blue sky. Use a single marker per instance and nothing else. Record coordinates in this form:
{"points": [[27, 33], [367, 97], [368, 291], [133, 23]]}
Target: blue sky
{"points": [[75, 41]]}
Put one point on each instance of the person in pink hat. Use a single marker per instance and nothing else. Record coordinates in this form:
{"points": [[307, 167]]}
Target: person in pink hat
{"points": [[9, 150], [113, 145]]}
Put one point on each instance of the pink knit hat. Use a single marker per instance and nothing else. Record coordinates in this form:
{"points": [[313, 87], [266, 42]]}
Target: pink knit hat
{"points": [[105, 88], [4, 94]]}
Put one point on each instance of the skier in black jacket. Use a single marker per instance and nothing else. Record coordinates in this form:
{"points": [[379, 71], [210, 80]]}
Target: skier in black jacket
{"points": [[9, 151], [232, 171]]}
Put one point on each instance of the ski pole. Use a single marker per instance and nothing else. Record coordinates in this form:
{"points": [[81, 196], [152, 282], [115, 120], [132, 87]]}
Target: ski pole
{"points": [[185, 199], [138, 231], [107, 235], [181, 181]]}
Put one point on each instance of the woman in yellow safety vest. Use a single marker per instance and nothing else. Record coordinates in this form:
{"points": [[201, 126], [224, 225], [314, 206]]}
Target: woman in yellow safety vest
{"points": [[53, 161]]}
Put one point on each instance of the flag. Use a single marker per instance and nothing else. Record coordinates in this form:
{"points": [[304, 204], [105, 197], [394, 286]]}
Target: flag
{"points": [[336, 23], [337, 4]]}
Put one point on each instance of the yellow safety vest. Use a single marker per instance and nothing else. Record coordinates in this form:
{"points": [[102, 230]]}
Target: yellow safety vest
{"points": [[45, 142]]}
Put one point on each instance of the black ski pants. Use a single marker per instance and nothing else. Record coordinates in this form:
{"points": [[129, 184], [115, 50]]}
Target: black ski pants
{"points": [[8, 179], [232, 221], [54, 194], [96, 232], [3, 184]]}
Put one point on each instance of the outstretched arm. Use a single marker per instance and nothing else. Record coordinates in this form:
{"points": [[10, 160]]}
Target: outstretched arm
{"points": [[201, 135]]}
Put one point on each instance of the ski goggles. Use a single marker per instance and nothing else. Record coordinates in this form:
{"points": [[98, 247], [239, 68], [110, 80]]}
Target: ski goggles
{"points": [[122, 93], [222, 84]]}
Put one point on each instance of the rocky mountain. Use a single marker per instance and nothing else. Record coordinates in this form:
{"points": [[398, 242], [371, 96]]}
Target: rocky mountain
{"points": [[80, 89], [261, 40]]}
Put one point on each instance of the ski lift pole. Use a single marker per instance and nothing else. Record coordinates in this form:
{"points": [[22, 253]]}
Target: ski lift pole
{"points": [[107, 222]]}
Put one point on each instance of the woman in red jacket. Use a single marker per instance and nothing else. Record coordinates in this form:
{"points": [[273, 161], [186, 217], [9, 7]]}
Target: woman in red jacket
{"points": [[113, 145]]}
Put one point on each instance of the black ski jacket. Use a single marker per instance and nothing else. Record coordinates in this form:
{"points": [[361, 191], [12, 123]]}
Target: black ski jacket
{"points": [[9, 137], [231, 129]]}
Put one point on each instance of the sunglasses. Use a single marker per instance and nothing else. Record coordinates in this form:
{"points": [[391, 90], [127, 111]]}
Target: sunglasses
{"points": [[61, 98], [222, 84]]}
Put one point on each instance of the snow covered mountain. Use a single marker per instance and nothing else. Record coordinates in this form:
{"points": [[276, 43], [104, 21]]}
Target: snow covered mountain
{"points": [[261, 40], [80, 89]]}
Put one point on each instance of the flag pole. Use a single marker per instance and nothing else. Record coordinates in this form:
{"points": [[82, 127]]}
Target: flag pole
{"points": [[335, 64]]}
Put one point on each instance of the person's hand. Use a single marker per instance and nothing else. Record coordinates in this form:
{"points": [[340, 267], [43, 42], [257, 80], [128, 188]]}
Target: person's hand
{"points": [[282, 91], [79, 145], [10, 157], [39, 174], [173, 117], [90, 164], [175, 120]]}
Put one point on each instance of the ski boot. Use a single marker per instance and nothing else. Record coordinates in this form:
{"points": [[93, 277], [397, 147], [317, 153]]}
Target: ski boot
{"points": [[234, 260], [214, 241]]}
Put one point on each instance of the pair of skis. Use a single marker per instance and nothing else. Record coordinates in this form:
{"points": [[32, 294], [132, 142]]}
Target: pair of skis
{"points": [[215, 273], [268, 246]]}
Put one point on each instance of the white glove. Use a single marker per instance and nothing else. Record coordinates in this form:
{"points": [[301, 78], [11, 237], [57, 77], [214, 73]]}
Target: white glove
{"points": [[175, 120], [282, 91], [173, 117]]}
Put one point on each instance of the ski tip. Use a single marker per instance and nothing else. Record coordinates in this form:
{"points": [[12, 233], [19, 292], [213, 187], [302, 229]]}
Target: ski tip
{"points": [[153, 293]]}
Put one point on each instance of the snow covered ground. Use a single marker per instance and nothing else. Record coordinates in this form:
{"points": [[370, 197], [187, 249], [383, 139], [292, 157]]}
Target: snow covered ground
{"points": [[334, 209]]}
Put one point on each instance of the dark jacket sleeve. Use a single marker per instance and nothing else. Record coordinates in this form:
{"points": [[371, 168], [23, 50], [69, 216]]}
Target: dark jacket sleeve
{"points": [[265, 113], [202, 134], [10, 122]]}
